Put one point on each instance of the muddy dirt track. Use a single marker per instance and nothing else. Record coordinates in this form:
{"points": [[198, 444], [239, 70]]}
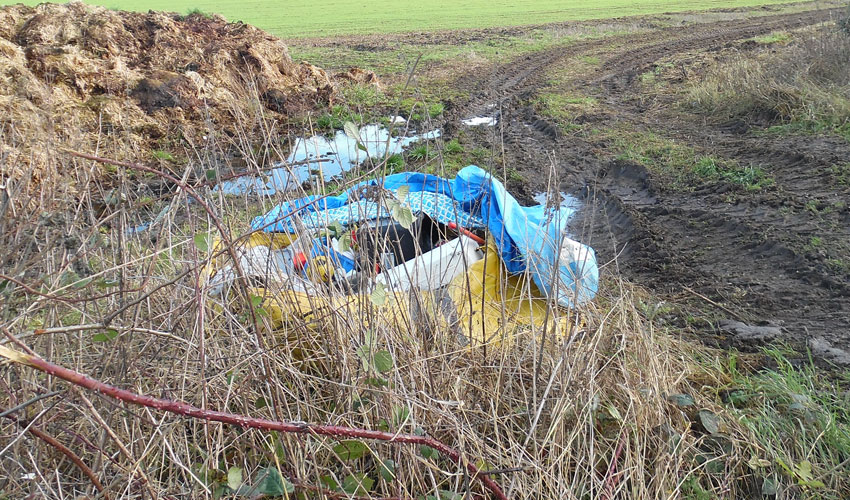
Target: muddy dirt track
{"points": [[741, 260]]}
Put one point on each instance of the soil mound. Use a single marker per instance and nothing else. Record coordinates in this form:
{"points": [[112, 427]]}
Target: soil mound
{"points": [[74, 75]]}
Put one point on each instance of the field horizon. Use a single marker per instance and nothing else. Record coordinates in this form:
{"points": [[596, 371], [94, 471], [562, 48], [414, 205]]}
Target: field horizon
{"points": [[347, 17]]}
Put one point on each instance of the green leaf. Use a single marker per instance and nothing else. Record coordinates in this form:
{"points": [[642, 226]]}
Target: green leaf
{"points": [[279, 450], [345, 241], [681, 400], [428, 452], [105, 336], [769, 487], [234, 478], [378, 295], [337, 229], [105, 283], [387, 470], [757, 463], [709, 421], [271, 483], [351, 131], [260, 403], [361, 147], [402, 193], [357, 484], [614, 412], [68, 278], [350, 449], [211, 174], [329, 482], [400, 414], [383, 361], [402, 214], [483, 465], [202, 241], [256, 300], [377, 382]]}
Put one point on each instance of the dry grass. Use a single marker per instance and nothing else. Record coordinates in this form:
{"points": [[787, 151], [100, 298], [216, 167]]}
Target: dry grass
{"points": [[804, 84], [584, 416]]}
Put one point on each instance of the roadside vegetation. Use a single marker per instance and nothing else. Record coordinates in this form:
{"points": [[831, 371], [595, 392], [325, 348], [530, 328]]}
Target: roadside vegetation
{"points": [[102, 271], [804, 87]]}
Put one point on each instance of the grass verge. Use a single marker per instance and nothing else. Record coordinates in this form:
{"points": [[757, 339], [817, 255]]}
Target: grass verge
{"points": [[803, 88]]}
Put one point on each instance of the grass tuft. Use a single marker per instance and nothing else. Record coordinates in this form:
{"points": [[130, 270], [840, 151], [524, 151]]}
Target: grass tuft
{"points": [[807, 87]]}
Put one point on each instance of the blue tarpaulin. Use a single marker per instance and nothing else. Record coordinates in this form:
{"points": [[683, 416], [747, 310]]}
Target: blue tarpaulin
{"points": [[532, 239]]}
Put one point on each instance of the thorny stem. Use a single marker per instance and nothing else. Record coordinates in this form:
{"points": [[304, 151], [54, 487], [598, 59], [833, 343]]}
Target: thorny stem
{"points": [[181, 408]]}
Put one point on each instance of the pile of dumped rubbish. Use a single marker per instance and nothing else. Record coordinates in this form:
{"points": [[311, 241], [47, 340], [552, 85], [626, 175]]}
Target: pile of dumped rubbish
{"points": [[452, 255]]}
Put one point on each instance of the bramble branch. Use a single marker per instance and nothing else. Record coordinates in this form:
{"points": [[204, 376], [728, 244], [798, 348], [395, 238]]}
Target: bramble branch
{"points": [[181, 408]]}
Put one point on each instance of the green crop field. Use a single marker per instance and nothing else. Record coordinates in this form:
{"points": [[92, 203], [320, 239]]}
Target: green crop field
{"points": [[297, 18]]}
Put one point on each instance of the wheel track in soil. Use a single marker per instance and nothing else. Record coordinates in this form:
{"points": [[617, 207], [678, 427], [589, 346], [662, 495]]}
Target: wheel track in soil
{"points": [[747, 254]]}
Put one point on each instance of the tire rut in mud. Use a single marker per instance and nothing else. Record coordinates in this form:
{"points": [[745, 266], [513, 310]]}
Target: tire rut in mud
{"points": [[748, 254]]}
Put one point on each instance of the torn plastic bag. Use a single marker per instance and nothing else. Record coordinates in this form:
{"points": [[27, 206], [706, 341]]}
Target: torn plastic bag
{"points": [[527, 238]]}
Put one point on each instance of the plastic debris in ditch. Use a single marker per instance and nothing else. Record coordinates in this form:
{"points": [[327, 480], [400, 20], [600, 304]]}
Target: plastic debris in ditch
{"points": [[326, 156], [452, 255]]}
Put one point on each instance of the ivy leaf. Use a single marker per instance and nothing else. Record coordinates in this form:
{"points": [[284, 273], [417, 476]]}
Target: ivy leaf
{"points": [[105, 336], [377, 382], [202, 241], [378, 295], [805, 478], [350, 449], [234, 478]]}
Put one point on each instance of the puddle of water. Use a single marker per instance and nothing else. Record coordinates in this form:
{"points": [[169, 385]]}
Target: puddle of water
{"points": [[339, 154], [481, 121]]}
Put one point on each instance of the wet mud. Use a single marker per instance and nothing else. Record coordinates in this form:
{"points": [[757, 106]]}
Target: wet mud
{"points": [[733, 256]]}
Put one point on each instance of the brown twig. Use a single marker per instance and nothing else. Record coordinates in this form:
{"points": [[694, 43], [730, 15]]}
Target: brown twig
{"points": [[181, 408], [194, 195], [51, 441], [230, 177]]}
